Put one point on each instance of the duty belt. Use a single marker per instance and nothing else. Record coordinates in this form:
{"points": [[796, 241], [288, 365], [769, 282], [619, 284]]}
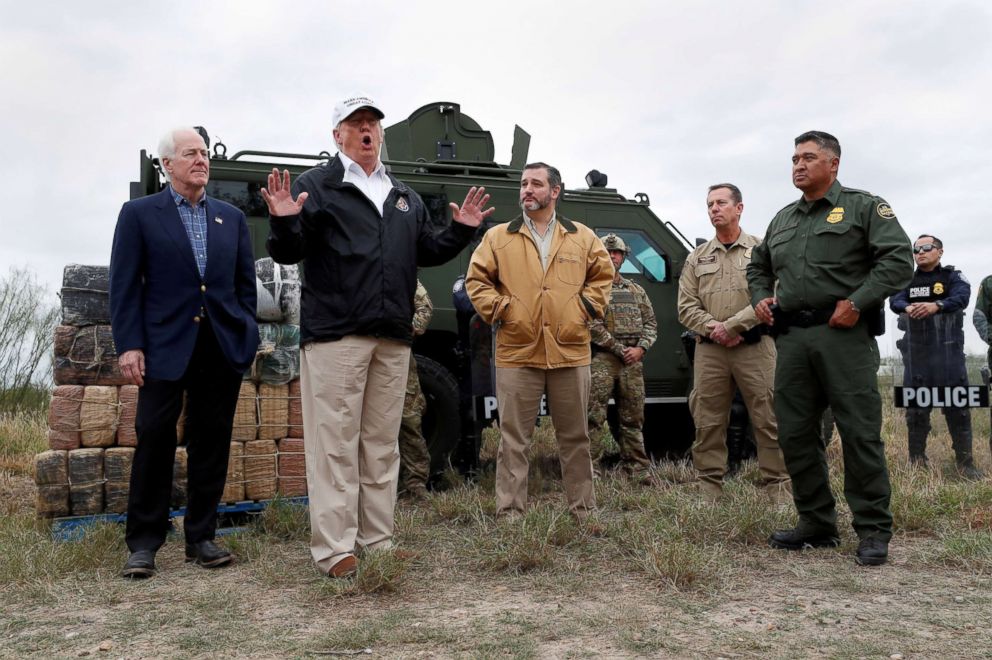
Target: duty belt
{"points": [[807, 318], [752, 336]]}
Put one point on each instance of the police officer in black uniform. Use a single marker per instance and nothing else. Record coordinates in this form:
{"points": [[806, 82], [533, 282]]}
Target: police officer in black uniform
{"points": [[932, 311]]}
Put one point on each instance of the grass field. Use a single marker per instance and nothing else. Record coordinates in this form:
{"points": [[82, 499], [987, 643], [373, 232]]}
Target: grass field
{"points": [[657, 573]]}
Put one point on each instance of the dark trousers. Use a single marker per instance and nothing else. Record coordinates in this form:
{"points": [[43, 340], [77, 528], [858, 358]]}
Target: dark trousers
{"points": [[211, 386], [817, 367]]}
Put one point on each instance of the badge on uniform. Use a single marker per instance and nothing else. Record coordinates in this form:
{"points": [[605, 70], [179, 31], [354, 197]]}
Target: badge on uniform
{"points": [[938, 288], [219, 220], [402, 205], [836, 215], [885, 211]]}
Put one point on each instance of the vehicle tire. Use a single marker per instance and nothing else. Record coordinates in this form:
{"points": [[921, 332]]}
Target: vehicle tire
{"points": [[441, 424]]}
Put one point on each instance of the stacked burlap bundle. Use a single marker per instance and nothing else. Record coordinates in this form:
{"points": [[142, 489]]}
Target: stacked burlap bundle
{"points": [[85, 295], [85, 481], [295, 414], [245, 415], [234, 487], [63, 417], [260, 469], [128, 398], [117, 463], [51, 474], [292, 468], [273, 411], [86, 356], [98, 416]]}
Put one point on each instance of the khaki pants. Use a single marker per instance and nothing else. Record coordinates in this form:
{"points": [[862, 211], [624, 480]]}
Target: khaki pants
{"points": [[518, 391], [352, 394], [717, 370]]}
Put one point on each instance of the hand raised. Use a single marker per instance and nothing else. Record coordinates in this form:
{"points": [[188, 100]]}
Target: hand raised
{"points": [[278, 196], [470, 212]]}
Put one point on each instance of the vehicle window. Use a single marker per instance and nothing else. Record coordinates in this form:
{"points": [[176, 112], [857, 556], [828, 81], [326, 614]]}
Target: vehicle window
{"points": [[645, 257]]}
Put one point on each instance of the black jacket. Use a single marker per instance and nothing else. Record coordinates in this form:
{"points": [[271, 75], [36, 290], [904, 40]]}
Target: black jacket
{"points": [[359, 269]]}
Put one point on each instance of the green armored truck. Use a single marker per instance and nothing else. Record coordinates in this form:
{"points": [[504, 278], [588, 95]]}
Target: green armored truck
{"points": [[441, 152]]}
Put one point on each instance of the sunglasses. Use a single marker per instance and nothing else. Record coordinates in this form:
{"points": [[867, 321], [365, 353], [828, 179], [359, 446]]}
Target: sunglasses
{"points": [[924, 248]]}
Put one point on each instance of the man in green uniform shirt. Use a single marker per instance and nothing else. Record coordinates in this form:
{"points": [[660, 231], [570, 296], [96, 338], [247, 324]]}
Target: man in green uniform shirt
{"points": [[837, 253]]}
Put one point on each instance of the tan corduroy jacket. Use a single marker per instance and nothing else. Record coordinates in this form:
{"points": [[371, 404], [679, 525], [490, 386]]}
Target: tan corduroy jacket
{"points": [[540, 317]]}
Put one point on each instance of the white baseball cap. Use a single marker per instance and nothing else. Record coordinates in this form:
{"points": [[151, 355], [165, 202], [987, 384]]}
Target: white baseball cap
{"points": [[345, 108]]}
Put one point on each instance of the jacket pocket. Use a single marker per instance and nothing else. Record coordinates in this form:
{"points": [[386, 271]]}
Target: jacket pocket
{"points": [[834, 242], [570, 267], [517, 326], [573, 327]]}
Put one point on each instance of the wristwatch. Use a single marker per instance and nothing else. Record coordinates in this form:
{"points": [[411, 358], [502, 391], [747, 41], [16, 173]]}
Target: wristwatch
{"points": [[853, 306], [940, 305]]}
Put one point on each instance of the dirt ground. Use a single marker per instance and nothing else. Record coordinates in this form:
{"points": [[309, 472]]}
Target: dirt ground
{"points": [[587, 601]]}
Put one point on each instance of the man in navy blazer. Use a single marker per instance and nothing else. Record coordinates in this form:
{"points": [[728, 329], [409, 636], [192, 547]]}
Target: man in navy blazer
{"points": [[182, 308]]}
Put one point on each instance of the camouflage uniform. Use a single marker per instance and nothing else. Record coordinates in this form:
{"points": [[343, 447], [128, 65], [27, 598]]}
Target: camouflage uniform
{"points": [[415, 461], [629, 322]]}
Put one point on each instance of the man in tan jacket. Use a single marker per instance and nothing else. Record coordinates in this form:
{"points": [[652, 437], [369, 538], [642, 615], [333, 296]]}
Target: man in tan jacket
{"points": [[538, 280], [733, 350]]}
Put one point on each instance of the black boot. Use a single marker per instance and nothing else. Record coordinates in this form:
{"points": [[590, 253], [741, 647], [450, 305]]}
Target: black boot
{"points": [[918, 428], [959, 424]]}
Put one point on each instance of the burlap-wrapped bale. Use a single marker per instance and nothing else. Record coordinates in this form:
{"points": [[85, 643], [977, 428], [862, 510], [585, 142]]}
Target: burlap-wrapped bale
{"points": [[86, 356], [273, 411], [295, 416], [117, 463], [98, 416], [278, 291], [292, 468], [128, 398], [278, 359], [85, 481], [63, 417], [260, 469], [292, 459], [51, 468], [246, 414], [85, 295], [234, 486], [52, 501], [86, 466], [180, 471]]}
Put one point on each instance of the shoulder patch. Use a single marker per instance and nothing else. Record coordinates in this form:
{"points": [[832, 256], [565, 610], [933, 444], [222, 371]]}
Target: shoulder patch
{"points": [[885, 211]]}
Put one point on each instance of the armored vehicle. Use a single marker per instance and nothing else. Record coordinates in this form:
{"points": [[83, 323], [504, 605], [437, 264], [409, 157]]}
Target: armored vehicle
{"points": [[440, 152]]}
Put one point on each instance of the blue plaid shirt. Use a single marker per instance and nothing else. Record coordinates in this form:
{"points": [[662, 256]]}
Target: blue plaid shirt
{"points": [[195, 222]]}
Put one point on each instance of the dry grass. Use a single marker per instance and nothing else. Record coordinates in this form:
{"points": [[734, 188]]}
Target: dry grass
{"points": [[658, 572]]}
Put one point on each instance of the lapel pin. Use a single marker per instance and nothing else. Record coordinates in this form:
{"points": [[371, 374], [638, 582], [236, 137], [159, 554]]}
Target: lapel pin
{"points": [[219, 220]]}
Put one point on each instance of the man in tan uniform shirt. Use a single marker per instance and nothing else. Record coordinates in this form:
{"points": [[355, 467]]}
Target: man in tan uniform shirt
{"points": [[732, 352]]}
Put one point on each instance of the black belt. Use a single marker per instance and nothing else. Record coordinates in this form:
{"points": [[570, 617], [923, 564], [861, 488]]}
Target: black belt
{"points": [[807, 318]]}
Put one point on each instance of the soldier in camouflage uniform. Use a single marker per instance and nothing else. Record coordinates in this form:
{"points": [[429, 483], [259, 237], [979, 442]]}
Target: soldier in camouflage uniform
{"points": [[619, 342], [415, 461]]}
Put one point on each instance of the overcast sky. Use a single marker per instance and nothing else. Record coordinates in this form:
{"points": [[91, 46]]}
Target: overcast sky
{"points": [[666, 98]]}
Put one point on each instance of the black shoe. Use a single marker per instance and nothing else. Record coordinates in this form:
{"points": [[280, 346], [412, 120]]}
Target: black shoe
{"points": [[207, 554], [796, 539], [872, 552], [140, 564]]}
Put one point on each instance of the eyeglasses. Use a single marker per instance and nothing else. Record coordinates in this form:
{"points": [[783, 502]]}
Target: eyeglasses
{"points": [[924, 248]]}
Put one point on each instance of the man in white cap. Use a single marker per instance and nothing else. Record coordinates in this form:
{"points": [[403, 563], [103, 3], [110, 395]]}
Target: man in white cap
{"points": [[361, 235]]}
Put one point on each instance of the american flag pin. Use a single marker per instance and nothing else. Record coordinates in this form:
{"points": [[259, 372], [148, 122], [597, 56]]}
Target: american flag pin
{"points": [[219, 220]]}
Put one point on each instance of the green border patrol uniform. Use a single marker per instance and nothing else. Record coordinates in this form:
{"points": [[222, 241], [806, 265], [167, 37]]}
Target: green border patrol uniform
{"points": [[982, 318], [846, 245]]}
